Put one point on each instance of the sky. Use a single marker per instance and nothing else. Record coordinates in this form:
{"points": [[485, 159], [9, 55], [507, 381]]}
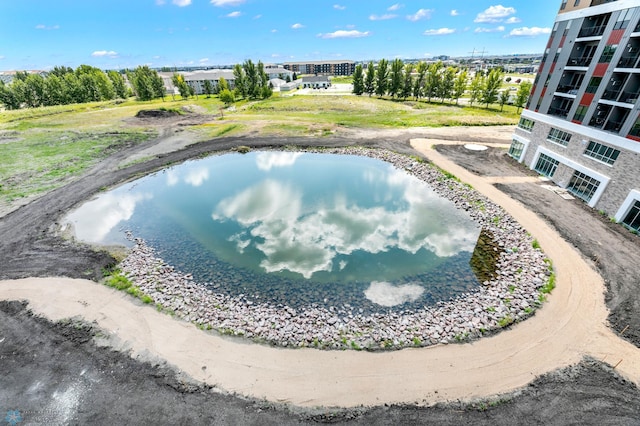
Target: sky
{"points": [[115, 34]]}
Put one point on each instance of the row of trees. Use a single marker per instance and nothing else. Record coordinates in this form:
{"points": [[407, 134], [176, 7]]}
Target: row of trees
{"points": [[64, 85], [433, 81]]}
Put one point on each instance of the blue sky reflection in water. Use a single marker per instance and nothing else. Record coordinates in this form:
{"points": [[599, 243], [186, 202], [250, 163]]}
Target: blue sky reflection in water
{"points": [[295, 228]]}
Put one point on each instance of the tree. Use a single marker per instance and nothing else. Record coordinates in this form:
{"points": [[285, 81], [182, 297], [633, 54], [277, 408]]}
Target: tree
{"points": [[55, 90], [433, 80], [288, 78], [370, 79], [208, 88], [253, 79], [295, 76], [34, 91], [446, 84], [8, 96], [382, 78], [222, 84], [396, 78], [475, 89], [522, 95], [240, 84], [358, 80], [183, 87], [119, 86], [503, 99], [492, 87], [407, 85], [418, 85], [226, 96], [146, 83], [459, 85]]}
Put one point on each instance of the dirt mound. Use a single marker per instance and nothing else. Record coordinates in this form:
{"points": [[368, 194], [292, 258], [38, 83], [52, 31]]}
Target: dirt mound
{"points": [[157, 113]]}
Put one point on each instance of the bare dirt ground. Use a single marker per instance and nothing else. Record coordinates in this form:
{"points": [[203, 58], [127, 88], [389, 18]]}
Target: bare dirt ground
{"points": [[58, 370]]}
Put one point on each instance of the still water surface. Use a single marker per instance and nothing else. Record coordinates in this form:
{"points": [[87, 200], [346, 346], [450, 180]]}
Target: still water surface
{"points": [[295, 228]]}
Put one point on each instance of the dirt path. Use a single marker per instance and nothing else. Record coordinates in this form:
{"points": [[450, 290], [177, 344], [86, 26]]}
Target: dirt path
{"points": [[570, 326]]}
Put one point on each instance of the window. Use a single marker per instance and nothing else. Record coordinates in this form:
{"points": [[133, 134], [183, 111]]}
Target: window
{"points": [[581, 111], [559, 137], [608, 53], [576, 3], [563, 5], [516, 148], [526, 124], [632, 219], [623, 19], [601, 152], [583, 186], [594, 83], [546, 165]]}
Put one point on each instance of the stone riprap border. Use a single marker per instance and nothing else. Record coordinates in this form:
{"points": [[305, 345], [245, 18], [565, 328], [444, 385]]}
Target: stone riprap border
{"points": [[522, 271]]}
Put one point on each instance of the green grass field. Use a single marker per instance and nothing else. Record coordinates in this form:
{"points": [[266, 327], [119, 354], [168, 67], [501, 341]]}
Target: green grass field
{"points": [[43, 148]]}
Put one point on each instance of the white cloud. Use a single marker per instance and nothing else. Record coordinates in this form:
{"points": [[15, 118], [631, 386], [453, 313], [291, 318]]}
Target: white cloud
{"points": [[345, 34], [454, 12], [304, 241], [223, 3], [274, 31], [197, 177], [45, 27], [268, 160], [420, 14], [490, 30], [513, 20], [181, 3], [382, 17], [257, 17], [386, 294], [394, 7], [96, 218], [297, 26], [103, 53], [529, 32], [495, 14], [235, 14], [339, 7], [160, 2], [203, 60], [439, 31]]}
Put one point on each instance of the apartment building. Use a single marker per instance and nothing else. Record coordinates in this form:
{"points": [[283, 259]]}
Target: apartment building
{"points": [[341, 67], [581, 126]]}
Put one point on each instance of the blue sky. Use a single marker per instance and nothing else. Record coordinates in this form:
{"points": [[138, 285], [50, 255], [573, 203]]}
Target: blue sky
{"points": [[39, 34]]}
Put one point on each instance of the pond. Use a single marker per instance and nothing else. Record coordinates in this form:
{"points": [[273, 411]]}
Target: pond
{"points": [[295, 228]]}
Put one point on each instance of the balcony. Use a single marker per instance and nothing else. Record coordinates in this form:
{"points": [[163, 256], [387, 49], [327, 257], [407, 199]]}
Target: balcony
{"points": [[594, 31], [558, 112], [568, 89], [596, 122], [629, 97], [582, 61], [599, 2], [611, 95], [629, 62]]}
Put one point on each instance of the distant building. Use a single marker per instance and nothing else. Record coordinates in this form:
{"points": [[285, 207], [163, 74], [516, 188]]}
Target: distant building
{"points": [[581, 127], [196, 79], [316, 82], [278, 72], [342, 67]]}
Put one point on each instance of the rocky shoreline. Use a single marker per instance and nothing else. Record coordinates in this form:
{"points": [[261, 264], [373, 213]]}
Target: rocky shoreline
{"points": [[515, 292]]}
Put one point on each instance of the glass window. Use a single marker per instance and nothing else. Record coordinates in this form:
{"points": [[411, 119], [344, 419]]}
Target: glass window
{"points": [[581, 111], [601, 152], [576, 3], [546, 165], [563, 5], [583, 186], [632, 219], [526, 124], [608, 53], [623, 19], [516, 148], [559, 137], [594, 83]]}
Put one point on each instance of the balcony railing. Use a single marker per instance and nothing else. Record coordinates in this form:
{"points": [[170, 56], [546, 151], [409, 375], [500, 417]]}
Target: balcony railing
{"points": [[629, 97], [569, 89], [559, 112], [599, 2], [627, 62], [583, 61], [611, 95], [596, 122], [613, 126], [592, 31]]}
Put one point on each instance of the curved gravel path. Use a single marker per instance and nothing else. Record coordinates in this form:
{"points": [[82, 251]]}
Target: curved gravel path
{"points": [[570, 326]]}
